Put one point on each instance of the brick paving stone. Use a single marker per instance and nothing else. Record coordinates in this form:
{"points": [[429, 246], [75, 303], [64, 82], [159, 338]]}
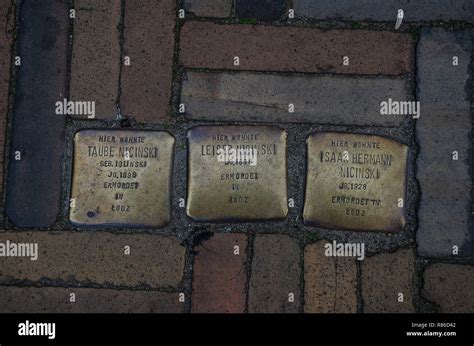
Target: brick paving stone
{"points": [[149, 43], [219, 275], [209, 8], [450, 287], [34, 182], [7, 17], [445, 126], [294, 49], [316, 99], [384, 276], [87, 300], [95, 65], [330, 282], [375, 10], [97, 257], [275, 274], [260, 9]]}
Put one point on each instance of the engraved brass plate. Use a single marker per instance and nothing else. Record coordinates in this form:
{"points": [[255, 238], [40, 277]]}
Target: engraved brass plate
{"points": [[121, 177], [355, 182], [237, 173]]}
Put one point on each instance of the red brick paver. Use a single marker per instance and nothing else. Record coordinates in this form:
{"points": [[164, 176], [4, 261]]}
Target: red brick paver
{"points": [[148, 42], [384, 277], [275, 276], [87, 300], [98, 257], [450, 287], [271, 48], [330, 282], [96, 55], [219, 274]]}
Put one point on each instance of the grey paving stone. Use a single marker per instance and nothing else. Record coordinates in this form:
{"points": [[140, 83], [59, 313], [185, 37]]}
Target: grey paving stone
{"points": [[260, 9], [317, 98], [34, 182], [209, 8], [386, 10], [444, 214]]}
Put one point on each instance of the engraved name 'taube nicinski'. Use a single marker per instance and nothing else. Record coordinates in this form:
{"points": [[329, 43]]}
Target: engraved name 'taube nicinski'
{"points": [[126, 149]]}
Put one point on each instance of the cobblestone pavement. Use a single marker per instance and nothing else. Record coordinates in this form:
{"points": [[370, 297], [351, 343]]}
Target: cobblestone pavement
{"points": [[303, 66]]}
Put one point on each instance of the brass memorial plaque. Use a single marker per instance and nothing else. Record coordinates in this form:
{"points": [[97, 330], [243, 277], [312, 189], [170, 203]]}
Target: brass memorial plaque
{"points": [[355, 182], [237, 173], [121, 177]]}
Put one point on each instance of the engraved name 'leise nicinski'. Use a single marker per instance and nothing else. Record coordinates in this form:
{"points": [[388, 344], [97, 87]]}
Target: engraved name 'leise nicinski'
{"points": [[211, 149], [259, 149]]}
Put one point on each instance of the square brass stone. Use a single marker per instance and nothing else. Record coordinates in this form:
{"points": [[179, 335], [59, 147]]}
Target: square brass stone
{"points": [[237, 173], [355, 182], [121, 177]]}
